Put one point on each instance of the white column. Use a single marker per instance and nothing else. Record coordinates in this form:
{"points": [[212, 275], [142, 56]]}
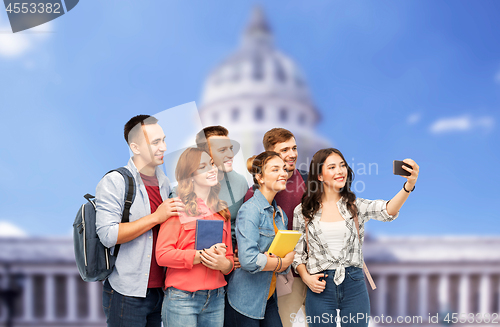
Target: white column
{"points": [[463, 295], [49, 297], [71, 296], [484, 294], [93, 300], [402, 294], [381, 295], [444, 299], [28, 297], [423, 286]]}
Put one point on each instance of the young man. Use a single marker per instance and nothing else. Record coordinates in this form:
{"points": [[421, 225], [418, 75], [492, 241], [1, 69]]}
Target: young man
{"points": [[282, 141], [133, 294]]}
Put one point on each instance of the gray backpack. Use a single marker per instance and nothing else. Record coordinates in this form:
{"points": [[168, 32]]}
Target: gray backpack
{"points": [[95, 261]]}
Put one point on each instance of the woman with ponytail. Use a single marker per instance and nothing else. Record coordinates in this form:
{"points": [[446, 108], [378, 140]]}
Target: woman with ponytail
{"points": [[194, 283], [329, 258], [251, 288]]}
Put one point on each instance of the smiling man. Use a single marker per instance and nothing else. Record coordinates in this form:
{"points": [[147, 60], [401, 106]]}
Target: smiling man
{"points": [[133, 292], [282, 141]]}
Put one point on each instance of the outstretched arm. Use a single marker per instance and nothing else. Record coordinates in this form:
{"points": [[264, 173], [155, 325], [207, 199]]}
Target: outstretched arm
{"points": [[395, 204]]}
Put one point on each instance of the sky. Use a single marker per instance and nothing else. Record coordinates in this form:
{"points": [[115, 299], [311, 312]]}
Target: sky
{"points": [[391, 79]]}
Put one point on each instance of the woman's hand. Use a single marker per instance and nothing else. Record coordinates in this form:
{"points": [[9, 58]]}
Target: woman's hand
{"points": [[313, 282], [412, 179], [287, 261], [215, 258]]}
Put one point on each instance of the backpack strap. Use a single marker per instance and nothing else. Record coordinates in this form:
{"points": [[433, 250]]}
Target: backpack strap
{"points": [[229, 189], [129, 197], [365, 268]]}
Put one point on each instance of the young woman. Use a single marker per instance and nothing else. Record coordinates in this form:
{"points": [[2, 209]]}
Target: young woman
{"points": [[251, 289], [328, 256], [194, 283]]}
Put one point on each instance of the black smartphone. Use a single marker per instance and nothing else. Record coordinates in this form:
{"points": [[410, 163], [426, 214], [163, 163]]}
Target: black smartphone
{"points": [[398, 168]]}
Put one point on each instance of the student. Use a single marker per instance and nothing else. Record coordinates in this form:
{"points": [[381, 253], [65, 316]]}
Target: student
{"points": [[194, 283], [329, 256], [137, 280], [215, 141], [283, 142], [251, 289]]}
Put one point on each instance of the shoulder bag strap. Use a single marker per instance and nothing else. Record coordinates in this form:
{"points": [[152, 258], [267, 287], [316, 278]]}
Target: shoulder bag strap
{"points": [[365, 268]]}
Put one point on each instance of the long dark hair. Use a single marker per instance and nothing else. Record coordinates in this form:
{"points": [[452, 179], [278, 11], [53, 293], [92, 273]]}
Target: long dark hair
{"points": [[311, 199]]}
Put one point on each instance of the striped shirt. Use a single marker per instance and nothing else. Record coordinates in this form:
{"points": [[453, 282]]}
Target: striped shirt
{"points": [[320, 257]]}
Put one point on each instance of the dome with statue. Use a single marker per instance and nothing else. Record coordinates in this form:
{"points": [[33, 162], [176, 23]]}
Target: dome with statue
{"points": [[258, 88]]}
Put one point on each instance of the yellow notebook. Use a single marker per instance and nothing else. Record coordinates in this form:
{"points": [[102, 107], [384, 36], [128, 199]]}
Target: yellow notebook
{"points": [[284, 242]]}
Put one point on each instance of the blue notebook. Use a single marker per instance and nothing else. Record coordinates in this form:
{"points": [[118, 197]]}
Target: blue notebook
{"points": [[208, 233]]}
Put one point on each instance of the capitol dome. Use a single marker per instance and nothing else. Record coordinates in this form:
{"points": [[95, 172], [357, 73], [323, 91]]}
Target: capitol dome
{"points": [[258, 88]]}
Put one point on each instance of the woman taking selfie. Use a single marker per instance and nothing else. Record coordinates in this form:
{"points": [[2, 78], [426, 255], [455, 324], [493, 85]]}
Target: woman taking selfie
{"points": [[194, 283], [329, 258], [251, 289]]}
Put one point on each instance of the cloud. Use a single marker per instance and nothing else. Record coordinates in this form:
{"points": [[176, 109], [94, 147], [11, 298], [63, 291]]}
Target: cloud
{"points": [[10, 230], [462, 124], [14, 45], [413, 118]]}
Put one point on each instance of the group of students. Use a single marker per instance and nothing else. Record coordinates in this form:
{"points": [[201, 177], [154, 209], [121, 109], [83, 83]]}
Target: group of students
{"points": [[160, 276]]}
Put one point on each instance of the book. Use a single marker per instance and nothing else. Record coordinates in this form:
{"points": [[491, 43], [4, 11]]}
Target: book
{"points": [[284, 242], [208, 233]]}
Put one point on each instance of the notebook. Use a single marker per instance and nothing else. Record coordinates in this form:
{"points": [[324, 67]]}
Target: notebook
{"points": [[208, 233], [284, 242]]}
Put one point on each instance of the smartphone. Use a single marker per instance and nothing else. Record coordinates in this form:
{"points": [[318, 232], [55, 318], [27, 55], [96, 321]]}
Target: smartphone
{"points": [[398, 168]]}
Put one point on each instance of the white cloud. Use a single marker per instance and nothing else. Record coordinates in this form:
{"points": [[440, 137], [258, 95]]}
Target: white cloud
{"points": [[10, 230], [14, 45], [413, 118], [462, 124]]}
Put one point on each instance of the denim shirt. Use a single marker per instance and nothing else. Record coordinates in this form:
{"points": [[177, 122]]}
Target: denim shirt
{"points": [[131, 273], [248, 287]]}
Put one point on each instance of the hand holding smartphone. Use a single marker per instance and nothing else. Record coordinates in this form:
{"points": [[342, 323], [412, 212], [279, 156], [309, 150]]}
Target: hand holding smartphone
{"points": [[398, 168]]}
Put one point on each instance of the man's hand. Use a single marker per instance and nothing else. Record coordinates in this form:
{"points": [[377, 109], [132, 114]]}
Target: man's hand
{"points": [[236, 260], [169, 208]]}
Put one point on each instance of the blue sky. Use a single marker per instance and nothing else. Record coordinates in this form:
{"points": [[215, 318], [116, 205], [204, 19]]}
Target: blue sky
{"points": [[392, 79]]}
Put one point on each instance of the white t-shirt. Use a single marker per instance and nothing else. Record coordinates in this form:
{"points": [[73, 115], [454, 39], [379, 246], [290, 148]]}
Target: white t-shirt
{"points": [[334, 234]]}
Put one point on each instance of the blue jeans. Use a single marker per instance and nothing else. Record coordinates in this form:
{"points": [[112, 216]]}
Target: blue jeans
{"points": [[351, 297], [193, 309], [271, 317], [124, 311]]}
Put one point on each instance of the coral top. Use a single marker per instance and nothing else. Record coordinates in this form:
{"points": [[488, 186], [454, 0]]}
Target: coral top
{"points": [[175, 250]]}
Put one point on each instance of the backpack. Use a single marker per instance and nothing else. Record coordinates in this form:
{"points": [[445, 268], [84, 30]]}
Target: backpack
{"points": [[95, 261]]}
